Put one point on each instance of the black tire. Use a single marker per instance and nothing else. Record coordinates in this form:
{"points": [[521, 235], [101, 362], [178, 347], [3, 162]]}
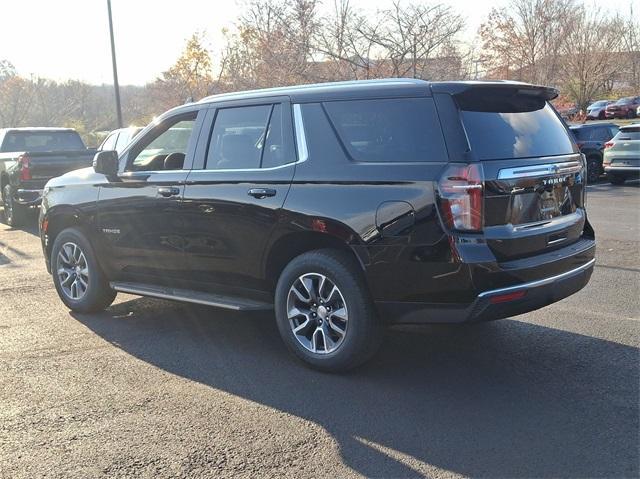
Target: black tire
{"points": [[616, 179], [14, 214], [594, 169], [631, 114], [364, 329], [98, 294], [601, 115]]}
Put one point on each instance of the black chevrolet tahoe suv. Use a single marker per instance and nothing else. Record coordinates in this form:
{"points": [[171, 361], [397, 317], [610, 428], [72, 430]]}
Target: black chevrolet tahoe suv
{"points": [[345, 207]]}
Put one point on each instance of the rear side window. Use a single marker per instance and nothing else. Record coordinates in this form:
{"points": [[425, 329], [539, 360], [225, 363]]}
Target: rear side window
{"points": [[389, 130], [497, 135], [42, 141]]}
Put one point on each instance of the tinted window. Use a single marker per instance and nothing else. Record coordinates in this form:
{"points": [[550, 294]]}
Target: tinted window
{"points": [[601, 134], [238, 137], [42, 141], [165, 149], [581, 134], [395, 130], [498, 135], [275, 148]]}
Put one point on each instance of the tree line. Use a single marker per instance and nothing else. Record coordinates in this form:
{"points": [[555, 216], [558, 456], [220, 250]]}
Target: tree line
{"points": [[585, 51]]}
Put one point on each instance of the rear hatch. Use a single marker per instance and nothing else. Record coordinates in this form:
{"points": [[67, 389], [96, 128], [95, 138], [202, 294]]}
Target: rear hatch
{"points": [[533, 173]]}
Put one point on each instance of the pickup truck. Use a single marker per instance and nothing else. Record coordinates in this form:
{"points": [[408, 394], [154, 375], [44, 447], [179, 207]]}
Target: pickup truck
{"points": [[29, 157]]}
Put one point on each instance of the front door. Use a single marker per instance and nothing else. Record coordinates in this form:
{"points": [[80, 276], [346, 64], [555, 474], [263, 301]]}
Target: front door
{"points": [[235, 192], [139, 217]]}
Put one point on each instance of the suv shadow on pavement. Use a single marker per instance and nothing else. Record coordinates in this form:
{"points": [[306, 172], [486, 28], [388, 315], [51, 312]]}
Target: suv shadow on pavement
{"points": [[508, 398]]}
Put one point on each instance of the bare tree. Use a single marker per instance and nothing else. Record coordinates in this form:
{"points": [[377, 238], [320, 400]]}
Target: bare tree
{"points": [[418, 40], [586, 63], [345, 50], [524, 41]]}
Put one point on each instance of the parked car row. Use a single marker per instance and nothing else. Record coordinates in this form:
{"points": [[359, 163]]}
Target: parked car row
{"points": [[627, 107], [344, 207]]}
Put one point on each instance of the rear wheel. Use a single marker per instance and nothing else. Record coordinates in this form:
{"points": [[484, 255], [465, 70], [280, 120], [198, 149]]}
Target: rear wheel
{"points": [[80, 282], [14, 214], [594, 169], [324, 313], [631, 114]]}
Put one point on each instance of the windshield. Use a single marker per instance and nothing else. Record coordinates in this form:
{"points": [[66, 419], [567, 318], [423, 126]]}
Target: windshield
{"points": [[37, 141], [624, 101], [599, 104]]}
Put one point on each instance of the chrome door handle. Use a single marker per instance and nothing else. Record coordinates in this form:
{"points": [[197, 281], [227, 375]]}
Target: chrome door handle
{"points": [[168, 191], [261, 192]]}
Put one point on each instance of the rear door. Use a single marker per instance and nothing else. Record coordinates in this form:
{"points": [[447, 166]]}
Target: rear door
{"points": [[533, 171], [233, 196]]}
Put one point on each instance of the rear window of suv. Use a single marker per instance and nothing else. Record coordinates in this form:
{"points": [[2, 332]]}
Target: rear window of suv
{"points": [[389, 130], [36, 141], [629, 133], [505, 127]]}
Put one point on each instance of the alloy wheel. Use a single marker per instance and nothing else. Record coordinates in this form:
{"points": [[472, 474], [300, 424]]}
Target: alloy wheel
{"points": [[73, 271], [317, 313]]}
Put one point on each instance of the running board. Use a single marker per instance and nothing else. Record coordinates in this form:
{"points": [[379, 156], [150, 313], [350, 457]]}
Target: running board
{"points": [[190, 296]]}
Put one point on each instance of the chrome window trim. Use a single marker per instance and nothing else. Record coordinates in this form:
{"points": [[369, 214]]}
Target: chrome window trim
{"points": [[546, 169], [301, 137]]}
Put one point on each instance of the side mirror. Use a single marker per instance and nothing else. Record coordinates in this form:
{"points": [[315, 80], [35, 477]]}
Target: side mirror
{"points": [[106, 162]]}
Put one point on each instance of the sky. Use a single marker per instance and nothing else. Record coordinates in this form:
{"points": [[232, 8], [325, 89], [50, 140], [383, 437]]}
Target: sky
{"points": [[69, 39]]}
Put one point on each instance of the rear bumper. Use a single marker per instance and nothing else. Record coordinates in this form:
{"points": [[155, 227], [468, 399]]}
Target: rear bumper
{"points": [[28, 197], [626, 171], [493, 304]]}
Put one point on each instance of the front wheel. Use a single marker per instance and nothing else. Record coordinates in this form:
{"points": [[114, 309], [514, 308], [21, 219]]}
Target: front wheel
{"points": [[324, 313], [80, 282]]}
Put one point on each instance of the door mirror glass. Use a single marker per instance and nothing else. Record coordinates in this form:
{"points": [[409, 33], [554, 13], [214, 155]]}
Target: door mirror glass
{"points": [[106, 162]]}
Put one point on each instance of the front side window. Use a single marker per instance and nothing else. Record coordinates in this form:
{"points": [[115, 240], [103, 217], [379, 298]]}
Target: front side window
{"points": [[389, 130], [165, 149]]}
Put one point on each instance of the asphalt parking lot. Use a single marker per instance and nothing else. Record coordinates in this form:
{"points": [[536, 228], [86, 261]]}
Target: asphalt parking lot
{"points": [[152, 388]]}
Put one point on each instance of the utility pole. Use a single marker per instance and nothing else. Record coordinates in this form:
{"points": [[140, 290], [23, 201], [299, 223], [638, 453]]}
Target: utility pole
{"points": [[116, 86]]}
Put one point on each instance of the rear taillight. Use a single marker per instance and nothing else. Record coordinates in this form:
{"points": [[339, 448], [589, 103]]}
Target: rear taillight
{"points": [[609, 144], [460, 197], [25, 167]]}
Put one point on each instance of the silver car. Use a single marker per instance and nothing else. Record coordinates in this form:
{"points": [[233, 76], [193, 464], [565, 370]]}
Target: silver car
{"points": [[622, 155]]}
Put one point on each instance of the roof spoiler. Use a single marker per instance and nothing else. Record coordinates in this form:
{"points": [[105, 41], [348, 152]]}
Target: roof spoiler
{"points": [[501, 97], [475, 87]]}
